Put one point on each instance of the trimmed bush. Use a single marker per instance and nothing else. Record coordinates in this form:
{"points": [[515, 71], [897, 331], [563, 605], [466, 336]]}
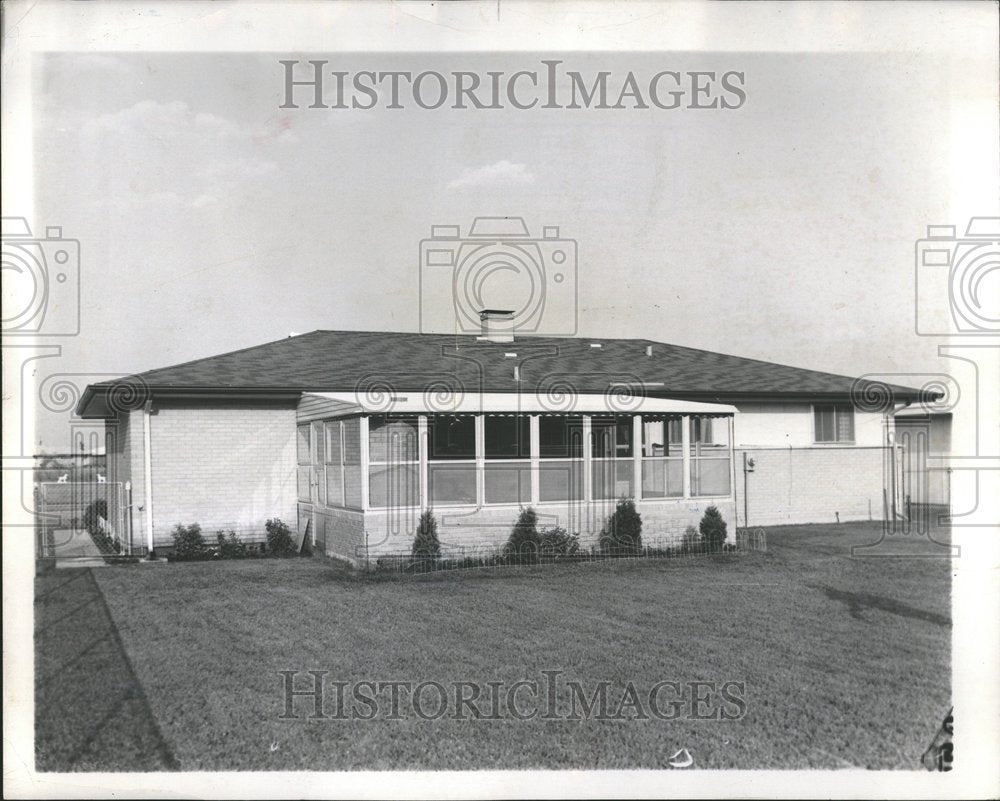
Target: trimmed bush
{"points": [[524, 541], [426, 547], [691, 540], [279, 538], [622, 535], [229, 546], [713, 529], [557, 542], [189, 542]]}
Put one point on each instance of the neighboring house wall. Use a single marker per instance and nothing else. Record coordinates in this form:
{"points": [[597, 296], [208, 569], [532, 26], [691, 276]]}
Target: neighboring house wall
{"points": [[925, 441], [223, 467], [796, 480]]}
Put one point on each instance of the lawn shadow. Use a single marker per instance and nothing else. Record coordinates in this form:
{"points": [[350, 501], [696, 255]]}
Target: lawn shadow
{"points": [[91, 713], [859, 602]]}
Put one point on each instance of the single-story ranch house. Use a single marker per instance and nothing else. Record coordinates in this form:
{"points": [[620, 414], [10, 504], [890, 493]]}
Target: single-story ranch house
{"points": [[348, 435]]}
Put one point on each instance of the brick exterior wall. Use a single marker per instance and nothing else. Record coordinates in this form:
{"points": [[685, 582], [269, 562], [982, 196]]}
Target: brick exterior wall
{"points": [[487, 528], [224, 467], [233, 466], [810, 485]]}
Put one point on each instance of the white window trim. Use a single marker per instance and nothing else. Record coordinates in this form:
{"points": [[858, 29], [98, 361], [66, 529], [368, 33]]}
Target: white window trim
{"points": [[834, 443], [381, 463], [534, 462]]}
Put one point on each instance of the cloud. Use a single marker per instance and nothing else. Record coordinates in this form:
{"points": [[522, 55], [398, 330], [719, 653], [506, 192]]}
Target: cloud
{"points": [[170, 154], [503, 173], [150, 120]]}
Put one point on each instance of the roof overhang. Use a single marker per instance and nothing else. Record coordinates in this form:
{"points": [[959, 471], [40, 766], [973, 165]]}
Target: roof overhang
{"points": [[353, 403], [109, 399]]}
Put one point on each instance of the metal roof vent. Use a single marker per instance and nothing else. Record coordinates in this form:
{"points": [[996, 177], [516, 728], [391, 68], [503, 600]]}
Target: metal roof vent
{"points": [[498, 325]]}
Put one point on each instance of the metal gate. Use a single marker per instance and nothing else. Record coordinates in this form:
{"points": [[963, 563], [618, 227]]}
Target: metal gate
{"points": [[82, 519]]}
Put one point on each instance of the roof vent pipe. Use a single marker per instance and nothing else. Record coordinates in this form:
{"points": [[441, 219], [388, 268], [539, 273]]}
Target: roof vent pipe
{"points": [[498, 325], [649, 350]]}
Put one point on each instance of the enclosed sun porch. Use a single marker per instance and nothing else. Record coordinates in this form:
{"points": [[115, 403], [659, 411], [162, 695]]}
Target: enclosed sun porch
{"points": [[366, 471]]}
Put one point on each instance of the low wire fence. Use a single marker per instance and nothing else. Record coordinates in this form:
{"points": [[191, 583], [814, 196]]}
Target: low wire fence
{"points": [[482, 557]]}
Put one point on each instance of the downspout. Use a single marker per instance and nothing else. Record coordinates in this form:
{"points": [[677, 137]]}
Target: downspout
{"points": [[889, 422], [147, 466]]}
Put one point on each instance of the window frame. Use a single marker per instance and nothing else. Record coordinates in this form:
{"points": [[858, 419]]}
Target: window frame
{"points": [[837, 409], [475, 461], [304, 464], [523, 462], [668, 421], [612, 423], [695, 457], [386, 463], [578, 464]]}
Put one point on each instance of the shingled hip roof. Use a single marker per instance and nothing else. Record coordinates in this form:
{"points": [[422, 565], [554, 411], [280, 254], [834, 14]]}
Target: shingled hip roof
{"points": [[370, 361]]}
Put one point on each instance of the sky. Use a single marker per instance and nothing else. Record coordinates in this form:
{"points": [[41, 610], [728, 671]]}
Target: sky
{"points": [[210, 219]]}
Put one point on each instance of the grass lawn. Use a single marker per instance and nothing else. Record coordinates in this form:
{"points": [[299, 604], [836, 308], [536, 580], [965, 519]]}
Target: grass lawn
{"points": [[846, 662]]}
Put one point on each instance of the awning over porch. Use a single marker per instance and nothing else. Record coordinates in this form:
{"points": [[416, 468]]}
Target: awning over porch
{"points": [[617, 400]]}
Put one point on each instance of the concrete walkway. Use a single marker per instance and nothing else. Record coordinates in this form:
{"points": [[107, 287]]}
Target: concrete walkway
{"points": [[75, 548]]}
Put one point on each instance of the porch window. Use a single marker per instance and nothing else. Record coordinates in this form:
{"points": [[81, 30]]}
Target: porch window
{"points": [[834, 422], [612, 463], [394, 461], [303, 451], [710, 466], [451, 469], [352, 462], [334, 463], [507, 450], [662, 456], [560, 453]]}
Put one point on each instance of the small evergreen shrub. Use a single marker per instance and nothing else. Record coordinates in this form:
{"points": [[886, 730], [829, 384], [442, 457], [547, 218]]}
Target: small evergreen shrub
{"points": [[557, 542], [279, 538], [189, 542], [230, 546], [691, 540], [713, 529], [524, 542], [622, 535], [426, 547]]}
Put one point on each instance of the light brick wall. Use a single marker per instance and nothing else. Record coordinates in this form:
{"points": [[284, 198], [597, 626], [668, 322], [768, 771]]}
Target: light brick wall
{"points": [[224, 467], [663, 522], [810, 485], [791, 424], [339, 532]]}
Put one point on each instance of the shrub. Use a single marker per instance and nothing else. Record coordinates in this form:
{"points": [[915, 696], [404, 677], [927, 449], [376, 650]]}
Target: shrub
{"points": [[524, 541], [279, 537], [691, 540], [622, 535], [713, 529], [188, 541], [230, 546], [426, 547], [557, 542]]}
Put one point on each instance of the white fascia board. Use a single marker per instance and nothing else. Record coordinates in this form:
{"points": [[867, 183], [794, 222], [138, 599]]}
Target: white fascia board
{"points": [[520, 402]]}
